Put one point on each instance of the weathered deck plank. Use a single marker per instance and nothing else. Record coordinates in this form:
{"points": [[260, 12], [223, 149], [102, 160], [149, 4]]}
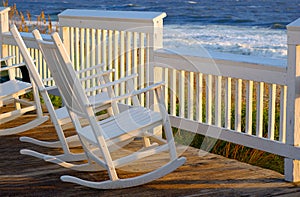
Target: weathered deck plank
{"points": [[202, 175]]}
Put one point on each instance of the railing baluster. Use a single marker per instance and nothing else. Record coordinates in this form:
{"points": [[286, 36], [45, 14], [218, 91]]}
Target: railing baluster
{"points": [[104, 48], [93, 55], [238, 105], [181, 94], [218, 101], [135, 58], [165, 78], [72, 44], [271, 114], [173, 92], [283, 102], [128, 59], [116, 60], [259, 109], [228, 103], [199, 96], [76, 50], [110, 51], [87, 55], [98, 47], [122, 61], [208, 99], [147, 70], [190, 95], [249, 108], [81, 53], [142, 67]]}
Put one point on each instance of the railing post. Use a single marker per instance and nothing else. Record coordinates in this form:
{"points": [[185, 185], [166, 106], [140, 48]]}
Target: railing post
{"points": [[291, 166], [65, 35], [155, 73], [4, 27], [155, 43]]}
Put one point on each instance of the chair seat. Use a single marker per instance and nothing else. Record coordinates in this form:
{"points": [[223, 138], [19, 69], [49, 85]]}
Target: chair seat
{"points": [[136, 118], [13, 87], [62, 112]]}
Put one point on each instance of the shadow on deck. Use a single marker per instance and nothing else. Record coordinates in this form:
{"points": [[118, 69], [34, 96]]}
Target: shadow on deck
{"points": [[206, 175]]}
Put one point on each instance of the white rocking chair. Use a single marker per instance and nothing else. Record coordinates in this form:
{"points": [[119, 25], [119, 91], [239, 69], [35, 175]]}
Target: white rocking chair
{"points": [[60, 117], [11, 91], [134, 122]]}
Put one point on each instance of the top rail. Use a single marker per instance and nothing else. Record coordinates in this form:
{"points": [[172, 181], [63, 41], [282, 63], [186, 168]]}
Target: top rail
{"points": [[141, 22], [228, 65]]}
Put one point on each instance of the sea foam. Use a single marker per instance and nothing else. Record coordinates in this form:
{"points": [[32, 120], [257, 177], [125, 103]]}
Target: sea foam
{"points": [[253, 41]]}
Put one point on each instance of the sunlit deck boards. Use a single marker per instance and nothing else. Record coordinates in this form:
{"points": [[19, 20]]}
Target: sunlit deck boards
{"points": [[208, 175]]}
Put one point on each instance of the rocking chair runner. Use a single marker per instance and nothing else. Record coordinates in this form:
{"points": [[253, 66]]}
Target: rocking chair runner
{"points": [[60, 117], [134, 122], [11, 92]]}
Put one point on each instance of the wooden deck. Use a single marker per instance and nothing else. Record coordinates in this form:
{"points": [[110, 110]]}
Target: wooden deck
{"points": [[202, 175]]}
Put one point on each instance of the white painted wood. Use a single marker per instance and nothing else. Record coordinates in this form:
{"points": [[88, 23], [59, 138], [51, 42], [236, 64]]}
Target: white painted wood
{"points": [[104, 47], [72, 43], [199, 97], [238, 105], [271, 113], [58, 117], [228, 103], [65, 32], [76, 58], [12, 92], [272, 73], [259, 109], [166, 87], [135, 57], [142, 66], [182, 100], [87, 54], [130, 182], [149, 78], [122, 61], [283, 111], [128, 60], [93, 57], [110, 51], [81, 53], [142, 22], [292, 167], [251, 141], [209, 99], [249, 108], [173, 92], [116, 59], [190, 98], [218, 101], [131, 123]]}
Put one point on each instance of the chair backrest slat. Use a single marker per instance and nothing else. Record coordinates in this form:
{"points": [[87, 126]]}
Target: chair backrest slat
{"points": [[63, 73]]}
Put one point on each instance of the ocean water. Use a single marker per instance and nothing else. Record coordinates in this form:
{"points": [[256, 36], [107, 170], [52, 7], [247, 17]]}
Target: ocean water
{"points": [[248, 27]]}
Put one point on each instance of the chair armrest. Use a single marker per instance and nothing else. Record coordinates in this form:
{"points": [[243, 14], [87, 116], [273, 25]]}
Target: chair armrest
{"points": [[7, 58], [48, 79], [12, 67], [48, 88], [128, 95], [107, 72], [91, 68], [109, 84]]}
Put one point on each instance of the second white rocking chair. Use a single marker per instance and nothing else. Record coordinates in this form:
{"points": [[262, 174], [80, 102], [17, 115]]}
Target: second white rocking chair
{"points": [[134, 122], [11, 92]]}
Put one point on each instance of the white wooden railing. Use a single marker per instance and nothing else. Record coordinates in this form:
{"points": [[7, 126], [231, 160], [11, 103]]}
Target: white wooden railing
{"points": [[246, 100]]}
